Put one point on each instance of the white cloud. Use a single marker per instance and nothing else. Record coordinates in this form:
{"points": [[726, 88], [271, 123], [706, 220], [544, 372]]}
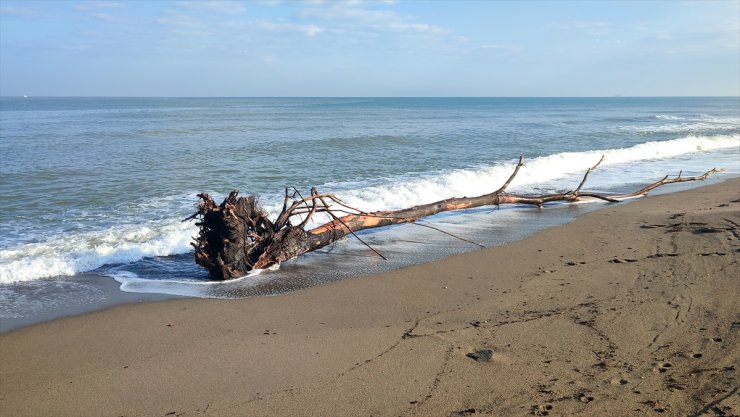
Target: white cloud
{"points": [[592, 28], [312, 30], [701, 33], [18, 11], [106, 17], [228, 7], [100, 5], [308, 30], [181, 21], [101, 10], [353, 16], [504, 49]]}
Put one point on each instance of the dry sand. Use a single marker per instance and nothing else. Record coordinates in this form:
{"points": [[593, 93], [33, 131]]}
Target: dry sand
{"points": [[631, 310]]}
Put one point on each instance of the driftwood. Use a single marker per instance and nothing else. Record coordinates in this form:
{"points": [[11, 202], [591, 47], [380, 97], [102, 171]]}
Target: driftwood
{"points": [[237, 236]]}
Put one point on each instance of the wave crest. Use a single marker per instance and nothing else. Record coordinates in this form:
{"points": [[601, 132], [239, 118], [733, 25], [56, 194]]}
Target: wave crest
{"points": [[68, 255]]}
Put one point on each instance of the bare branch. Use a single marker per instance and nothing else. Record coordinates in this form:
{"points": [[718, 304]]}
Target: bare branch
{"points": [[447, 233], [313, 208], [511, 178], [590, 170], [237, 236], [349, 229]]}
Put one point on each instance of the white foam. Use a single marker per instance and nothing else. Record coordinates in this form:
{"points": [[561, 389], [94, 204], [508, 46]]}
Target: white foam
{"points": [[68, 255], [131, 282], [701, 124], [75, 253], [399, 194], [679, 127]]}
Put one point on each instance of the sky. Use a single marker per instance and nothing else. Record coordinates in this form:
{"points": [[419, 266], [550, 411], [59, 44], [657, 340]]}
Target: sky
{"points": [[369, 48]]}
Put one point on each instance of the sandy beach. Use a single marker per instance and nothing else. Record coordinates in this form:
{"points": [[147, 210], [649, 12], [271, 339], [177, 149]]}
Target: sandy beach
{"points": [[631, 310]]}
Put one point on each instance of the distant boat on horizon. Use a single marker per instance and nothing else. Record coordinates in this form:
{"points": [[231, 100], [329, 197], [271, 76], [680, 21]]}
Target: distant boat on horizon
{"points": [[25, 96]]}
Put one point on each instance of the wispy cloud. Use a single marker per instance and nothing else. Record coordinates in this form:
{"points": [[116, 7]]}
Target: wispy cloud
{"points": [[181, 21], [333, 22], [418, 27], [101, 10], [357, 16], [501, 48], [312, 30], [226, 7], [101, 5], [692, 40], [703, 33], [591, 28], [15, 11], [308, 30]]}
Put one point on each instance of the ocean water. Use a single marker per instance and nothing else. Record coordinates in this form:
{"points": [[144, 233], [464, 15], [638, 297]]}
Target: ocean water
{"points": [[93, 190]]}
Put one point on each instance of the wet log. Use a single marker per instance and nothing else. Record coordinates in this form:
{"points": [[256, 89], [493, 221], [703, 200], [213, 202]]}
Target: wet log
{"points": [[237, 236]]}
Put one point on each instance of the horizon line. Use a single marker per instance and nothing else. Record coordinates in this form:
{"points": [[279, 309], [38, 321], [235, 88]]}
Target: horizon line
{"points": [[314, 97]]}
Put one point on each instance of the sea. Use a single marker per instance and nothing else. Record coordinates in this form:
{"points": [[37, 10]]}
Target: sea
{"points": [[94, 190]]}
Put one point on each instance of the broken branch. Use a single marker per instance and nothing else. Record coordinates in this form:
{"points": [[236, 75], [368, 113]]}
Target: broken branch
{"points": [[237, 236]]}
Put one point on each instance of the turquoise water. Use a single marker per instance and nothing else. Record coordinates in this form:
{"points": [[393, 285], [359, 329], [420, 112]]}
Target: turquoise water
{"points": [[100, 185]]}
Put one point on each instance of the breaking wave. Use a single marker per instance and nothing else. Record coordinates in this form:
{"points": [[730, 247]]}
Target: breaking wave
{"points": [[80, 252]]}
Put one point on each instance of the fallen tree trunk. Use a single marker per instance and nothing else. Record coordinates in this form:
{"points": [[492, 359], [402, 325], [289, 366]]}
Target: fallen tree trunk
{"points": [[237, 236]]}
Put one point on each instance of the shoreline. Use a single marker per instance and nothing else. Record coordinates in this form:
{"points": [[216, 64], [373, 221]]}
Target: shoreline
{"points": [[86, 293], [626, 308], [90, 292]]}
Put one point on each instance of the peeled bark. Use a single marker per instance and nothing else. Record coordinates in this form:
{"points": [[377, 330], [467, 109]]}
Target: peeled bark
{"points": [[237, 237]]}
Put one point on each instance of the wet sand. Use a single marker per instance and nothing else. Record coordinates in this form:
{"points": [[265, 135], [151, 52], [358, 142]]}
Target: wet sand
{"points": [[631, 310]]}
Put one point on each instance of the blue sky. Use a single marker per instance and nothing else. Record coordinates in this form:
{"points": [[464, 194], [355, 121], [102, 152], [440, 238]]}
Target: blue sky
{"points": [[369, 48]]}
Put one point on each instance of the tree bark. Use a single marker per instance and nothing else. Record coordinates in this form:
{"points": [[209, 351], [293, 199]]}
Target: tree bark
{"points": [[237, 237]]}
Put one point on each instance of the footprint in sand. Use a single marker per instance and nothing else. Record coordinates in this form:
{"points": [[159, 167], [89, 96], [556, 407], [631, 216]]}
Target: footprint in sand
{"points": [[652, 226], [622, 261], [460, 413], [660, 255], [584, 398], [619, 381], [654, 404], [541, 410]]}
